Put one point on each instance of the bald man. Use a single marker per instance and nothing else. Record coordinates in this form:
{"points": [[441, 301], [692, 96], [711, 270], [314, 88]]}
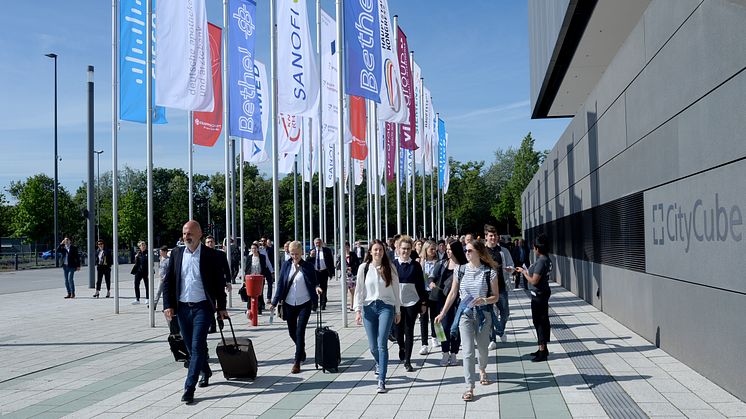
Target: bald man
{"points": [[193, 282]]}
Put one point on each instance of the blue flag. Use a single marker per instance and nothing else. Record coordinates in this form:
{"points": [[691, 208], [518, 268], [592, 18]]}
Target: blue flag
{"points": [[132, 93], [441, 152], [363, 49], [245, 110]]}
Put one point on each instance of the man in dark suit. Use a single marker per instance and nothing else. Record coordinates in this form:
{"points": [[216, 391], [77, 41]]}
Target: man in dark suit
{"points": [[322, 260], [195, 279], [70, 264], [103, 268]]}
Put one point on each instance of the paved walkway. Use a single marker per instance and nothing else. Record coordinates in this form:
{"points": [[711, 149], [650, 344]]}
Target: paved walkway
{"points": [[75, 358]]}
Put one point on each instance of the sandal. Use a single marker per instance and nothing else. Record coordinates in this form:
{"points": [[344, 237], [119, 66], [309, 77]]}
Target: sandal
{"points": [[483, 380], [468, 395]]}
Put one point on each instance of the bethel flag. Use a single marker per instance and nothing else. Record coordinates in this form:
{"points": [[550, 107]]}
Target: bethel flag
{"points": [[245, 115], [183, 63], [254, 151], [207, 125], [363, 49]]}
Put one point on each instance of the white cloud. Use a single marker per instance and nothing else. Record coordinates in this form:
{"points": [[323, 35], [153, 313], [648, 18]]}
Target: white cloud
{"points": [[489, 111]]}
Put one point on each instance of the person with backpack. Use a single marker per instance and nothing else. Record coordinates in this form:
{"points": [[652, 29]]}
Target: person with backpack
{"points": [[377, 304], [537, 278], [441, 283], [477, 284]]}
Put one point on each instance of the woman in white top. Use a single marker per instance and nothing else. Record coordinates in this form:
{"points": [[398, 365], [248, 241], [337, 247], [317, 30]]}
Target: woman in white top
{"points": [[475, 314], [428, 258], [377, 305]]}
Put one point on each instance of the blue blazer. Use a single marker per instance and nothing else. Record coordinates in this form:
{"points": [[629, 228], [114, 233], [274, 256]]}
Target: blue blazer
{"points": [[309, 275]]}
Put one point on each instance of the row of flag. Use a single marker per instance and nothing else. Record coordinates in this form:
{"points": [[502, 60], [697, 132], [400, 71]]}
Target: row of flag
{"points": [[379, 71]]}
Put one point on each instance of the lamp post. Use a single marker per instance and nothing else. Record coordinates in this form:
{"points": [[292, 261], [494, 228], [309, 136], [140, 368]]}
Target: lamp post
{"points": [[56, 158], [98, 192]]}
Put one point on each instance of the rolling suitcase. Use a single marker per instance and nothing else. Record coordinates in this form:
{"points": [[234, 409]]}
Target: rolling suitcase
{"points": [[237, 358], [327, 347]]}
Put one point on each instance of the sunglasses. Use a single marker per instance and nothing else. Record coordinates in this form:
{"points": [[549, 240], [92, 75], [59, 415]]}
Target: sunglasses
{"points": [[469, 250]]}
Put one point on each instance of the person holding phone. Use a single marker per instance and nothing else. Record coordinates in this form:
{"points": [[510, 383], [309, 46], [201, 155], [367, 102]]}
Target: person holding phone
{"points": [[537, 278]]}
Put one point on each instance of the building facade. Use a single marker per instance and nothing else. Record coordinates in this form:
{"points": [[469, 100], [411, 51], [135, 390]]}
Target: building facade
{"points": [[643, 197]]}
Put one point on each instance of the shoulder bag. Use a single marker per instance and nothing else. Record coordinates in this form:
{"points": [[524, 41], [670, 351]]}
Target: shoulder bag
{"points": [[280, 308]]}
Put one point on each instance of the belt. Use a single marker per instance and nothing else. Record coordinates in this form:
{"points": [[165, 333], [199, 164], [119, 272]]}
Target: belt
{"points": [[191, 304]]}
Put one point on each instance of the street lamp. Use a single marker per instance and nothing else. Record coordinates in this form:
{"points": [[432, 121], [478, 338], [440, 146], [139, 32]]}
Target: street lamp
{"points": [[56, 158], [98, 192]]}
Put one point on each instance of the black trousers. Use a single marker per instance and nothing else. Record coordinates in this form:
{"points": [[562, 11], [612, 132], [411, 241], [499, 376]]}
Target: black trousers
{"points": [[139, 278], [103, 272], [323, 277], [427, 320], [297, 318], [405, 329], [540, 316]]}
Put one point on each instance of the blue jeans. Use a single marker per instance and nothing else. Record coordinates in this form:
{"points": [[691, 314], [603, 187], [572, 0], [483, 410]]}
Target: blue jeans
{"points": [[69, 282], [194, 320], [503, 309], [377, 319]]}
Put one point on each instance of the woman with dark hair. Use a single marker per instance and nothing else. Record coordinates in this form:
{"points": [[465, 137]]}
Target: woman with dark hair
{"points": [[477, 284], [537, 278], [441, 281], [352, 263], [256, 264], [298, 290], [377, 304]]}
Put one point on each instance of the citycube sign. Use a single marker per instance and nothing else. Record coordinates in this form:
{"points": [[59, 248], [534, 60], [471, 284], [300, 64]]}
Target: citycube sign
{"points": [[695, 226]]}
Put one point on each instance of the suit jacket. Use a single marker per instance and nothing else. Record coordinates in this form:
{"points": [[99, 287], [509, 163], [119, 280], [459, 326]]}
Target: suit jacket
{"points": [[262, 266], [211, 268], [328, 261], [309, 276], [73, 257], [107, 259]]}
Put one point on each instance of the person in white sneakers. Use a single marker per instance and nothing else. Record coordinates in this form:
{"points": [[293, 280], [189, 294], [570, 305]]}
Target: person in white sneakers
{"points": [[441, 280], [428, 257]]}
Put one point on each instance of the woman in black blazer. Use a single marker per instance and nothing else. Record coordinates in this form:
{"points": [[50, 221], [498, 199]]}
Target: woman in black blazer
{"points": [[298, 290], [256, 263]]}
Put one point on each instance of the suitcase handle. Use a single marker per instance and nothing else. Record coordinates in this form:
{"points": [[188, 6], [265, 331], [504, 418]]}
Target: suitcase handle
{"points": [[318, 318], [230, 323]]}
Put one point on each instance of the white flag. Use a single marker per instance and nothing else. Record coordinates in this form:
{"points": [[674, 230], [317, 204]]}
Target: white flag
{"points": [[309, 151], [330, 164], [410, 169], [289, 132], [255, 151], [427, 129], [359, 169], [392, 107], [285, 163], [183, 66], [329, 75], [416, 75], [297, 74], [447, 174]]}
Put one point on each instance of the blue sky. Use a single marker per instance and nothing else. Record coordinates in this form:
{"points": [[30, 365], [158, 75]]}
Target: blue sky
{"points": [[474, 59]]}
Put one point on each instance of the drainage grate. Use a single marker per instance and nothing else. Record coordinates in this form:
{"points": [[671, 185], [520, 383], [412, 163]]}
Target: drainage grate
{"points": [[613, 398]]}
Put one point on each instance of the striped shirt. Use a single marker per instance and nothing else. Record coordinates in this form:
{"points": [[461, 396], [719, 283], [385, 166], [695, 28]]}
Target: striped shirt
{"points": [[472, 281]]}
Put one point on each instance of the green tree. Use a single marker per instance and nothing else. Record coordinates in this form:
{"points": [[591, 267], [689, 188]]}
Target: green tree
{"points": [[33, 216], [6, 217], [467, 201], [527, 162]]}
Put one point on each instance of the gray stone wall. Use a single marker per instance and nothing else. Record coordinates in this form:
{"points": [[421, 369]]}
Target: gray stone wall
{"points": [[668, 118]]}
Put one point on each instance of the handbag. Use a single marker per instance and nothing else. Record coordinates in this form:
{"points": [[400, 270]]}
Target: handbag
{"points": [[280, 308], [242, 293]]}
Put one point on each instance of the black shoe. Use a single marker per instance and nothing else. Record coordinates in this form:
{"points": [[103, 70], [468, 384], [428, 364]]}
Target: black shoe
{"points": [[533, 354], [186, 364], [205, 381], [541, 356], [408, 367], [392, 338], [323, 307], [188, 396], [402, 354], [212, 330]]}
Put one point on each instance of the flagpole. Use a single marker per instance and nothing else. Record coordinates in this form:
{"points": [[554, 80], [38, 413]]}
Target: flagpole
{"points": [[377, 180], [414, 163], [310, 189], [335, 200], [320, 152], [114, 132], [340, 134], [233, 189], [351, 199], [406, 185], [226, 138], [149, 139], [190, 137], [242, 262], [303, 195], [396, 147], [368, 206], [438, 223], [422, 125], [432, 205], [295, 199], [275, 143]]}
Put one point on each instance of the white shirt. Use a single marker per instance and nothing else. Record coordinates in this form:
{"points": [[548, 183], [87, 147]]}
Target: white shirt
{"points": [[371, 287], [320, 265], [298, 291], [191, 289], [256, 267]]}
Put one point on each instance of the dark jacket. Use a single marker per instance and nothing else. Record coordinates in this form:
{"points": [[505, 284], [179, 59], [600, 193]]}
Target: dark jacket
{"points": [[328, 260], [353, 264], [141, 264], [262, 265], [107, 262], [309, 275], [73, 257], [411, 273], [443, 279], [211, 270]]}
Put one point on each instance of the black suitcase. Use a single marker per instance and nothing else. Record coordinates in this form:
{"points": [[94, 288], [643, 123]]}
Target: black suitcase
{"points": [[178, 348], [328, 354], [237, 358]]}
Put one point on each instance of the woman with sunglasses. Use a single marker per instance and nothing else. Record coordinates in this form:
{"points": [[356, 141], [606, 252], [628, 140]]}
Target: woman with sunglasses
{"points": [[476, 283]]}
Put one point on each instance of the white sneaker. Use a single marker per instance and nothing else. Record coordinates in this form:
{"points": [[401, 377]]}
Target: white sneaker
{"points": [[492, 346], [504, 338], [146, 301], [452, 360], [445, 359], [434, 343], [136, 302], [424, 350]]}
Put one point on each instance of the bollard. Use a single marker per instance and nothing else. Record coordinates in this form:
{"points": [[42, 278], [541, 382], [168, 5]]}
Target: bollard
{"points": [[16, 261]]}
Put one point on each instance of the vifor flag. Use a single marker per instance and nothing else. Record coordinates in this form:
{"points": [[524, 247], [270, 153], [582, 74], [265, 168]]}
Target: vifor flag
{"points": [[406, 130], [183, 49], [392, 107], [289, 130], [207, 125], [442, 144], [297, 73], [245, 116], [329, 74], [390, 135], [363, 49], [358, 122], [254, 150], [132, 93]]}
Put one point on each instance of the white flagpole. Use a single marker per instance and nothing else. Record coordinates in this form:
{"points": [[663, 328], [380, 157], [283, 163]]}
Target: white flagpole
{"points": [[303, 193], [149, 139], [422, 126], [351, 200], [369, 207], [437, 189], [406, 192], [340, 134], [320, 153], [295, 196], [226, 138], [242, 263], [275, 142], [414, 164], [114, 132], [310, 189], [397, 151], [376, 178], [432, 206], [190, 151]]}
